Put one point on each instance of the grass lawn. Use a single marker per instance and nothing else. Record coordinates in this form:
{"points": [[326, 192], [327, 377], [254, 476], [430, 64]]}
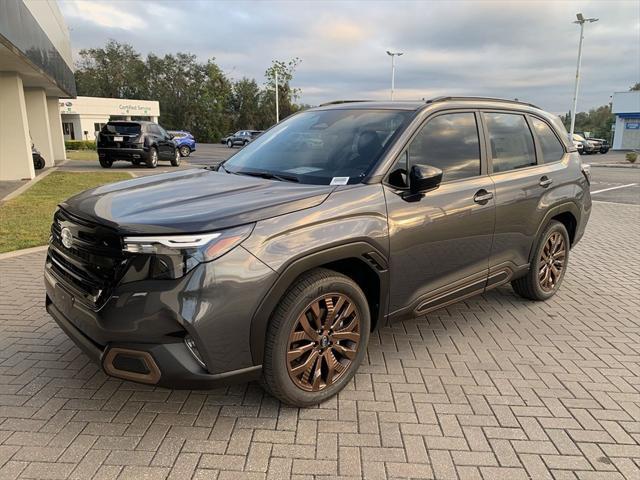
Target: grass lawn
{"points": [[25, 221], [82, 155]]}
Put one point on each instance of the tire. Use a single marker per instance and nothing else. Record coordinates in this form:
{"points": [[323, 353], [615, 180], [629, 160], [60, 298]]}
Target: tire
{"points": [[229, 144], [185, 151], [175, 161], [532, 286], [152, 158], [311, 292], [106, 162], [38, 162]]}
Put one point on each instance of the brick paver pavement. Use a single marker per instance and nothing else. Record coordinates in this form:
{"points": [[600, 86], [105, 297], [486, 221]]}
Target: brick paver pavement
{"points": [[493, 387]]}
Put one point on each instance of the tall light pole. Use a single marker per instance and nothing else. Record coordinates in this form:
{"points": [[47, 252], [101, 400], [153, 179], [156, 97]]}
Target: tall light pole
{"points": [[393, 56], [581, 21], [277, 105]]}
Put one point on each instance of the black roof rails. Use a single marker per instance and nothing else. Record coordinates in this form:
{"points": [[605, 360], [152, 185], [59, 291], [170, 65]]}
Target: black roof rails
{"points": [[338, 102], [488, 99]]}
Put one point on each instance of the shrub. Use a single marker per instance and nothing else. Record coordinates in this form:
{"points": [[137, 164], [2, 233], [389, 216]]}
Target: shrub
{"points": [[80, 144], [631, 157]]}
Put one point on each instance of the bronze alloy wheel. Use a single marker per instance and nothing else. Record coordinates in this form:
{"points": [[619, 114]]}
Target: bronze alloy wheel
{"points": [[323, 342], [552, 261]]}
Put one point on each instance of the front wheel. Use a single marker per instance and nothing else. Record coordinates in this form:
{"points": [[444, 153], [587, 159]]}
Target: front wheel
{"points": [[175, 161], [549, 264], [185, 151], [152, 158], [106, 162], [317, 338], [229, 144]]}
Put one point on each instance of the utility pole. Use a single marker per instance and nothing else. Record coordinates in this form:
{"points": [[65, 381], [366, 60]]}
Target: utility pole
{"points": [[581, 21], [277, 104], [393, 56]]}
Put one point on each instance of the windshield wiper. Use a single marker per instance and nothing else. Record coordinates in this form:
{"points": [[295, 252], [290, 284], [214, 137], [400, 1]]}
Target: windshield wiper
{"points": [[268, 175]]}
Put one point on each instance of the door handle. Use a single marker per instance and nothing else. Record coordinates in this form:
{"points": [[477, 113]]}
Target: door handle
{"points": [[482, 196], [545, 181]]}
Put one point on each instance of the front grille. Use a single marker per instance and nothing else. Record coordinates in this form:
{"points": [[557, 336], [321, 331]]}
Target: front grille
{"points": [[92, 265]]}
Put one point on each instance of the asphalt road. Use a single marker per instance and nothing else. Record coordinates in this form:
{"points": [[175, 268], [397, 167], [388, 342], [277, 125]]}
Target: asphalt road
{"points": [[618, 185]]}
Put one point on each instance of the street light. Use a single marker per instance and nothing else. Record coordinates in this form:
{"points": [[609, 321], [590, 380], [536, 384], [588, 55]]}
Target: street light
{"points": [[393, 56], [581, 21]]}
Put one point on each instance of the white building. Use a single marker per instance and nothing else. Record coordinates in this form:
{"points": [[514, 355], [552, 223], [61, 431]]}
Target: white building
{"points": [[83, 116], [626, 108], [35, 70]]}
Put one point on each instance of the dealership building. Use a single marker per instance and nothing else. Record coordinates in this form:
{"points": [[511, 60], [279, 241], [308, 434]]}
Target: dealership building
{"points": [[35, 72], [82, 117], [626, 108]]}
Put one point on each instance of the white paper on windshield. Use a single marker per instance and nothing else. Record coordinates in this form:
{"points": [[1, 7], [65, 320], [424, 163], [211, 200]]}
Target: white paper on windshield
{"points": [[302, 170], [339, 181]]}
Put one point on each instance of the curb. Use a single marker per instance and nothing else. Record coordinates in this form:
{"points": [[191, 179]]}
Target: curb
{"points": [[24, 251], [28, 185], [614, 165]]}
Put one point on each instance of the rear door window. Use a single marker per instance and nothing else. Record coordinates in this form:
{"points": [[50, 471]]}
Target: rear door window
{"points": [[511, 141], [552, 149]]}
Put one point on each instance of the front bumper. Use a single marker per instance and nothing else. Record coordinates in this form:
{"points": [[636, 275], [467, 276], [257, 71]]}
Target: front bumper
{"points": [[147, 322], [167, 365]]}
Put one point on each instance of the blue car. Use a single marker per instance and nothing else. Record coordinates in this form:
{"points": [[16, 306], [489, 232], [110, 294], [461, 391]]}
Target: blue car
{"points": [[185, 142]]}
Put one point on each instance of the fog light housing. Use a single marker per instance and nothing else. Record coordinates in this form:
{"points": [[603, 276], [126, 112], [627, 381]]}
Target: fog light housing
{"points": [[191, 346]]}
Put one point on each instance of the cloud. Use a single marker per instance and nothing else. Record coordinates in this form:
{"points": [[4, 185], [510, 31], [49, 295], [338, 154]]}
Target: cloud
{"points": [[105, 15], [523, 49]]}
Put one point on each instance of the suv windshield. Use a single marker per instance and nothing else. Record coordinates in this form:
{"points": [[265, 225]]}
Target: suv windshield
{"points": [[318, 146], [122, 128]]}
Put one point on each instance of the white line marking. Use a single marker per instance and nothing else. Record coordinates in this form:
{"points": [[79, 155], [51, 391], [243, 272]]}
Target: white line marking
{"points": [[614, 188], [617, 203]]}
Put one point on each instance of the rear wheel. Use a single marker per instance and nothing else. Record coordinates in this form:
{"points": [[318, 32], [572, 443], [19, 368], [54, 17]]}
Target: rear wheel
{"points": [[549, 265], [175, 161], [152, 158], [38, 162], [106, 162], [317, 338], [185, 151]]}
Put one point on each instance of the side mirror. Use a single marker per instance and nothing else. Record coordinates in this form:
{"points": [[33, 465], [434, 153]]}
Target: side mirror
{"points": [[423, 178]]}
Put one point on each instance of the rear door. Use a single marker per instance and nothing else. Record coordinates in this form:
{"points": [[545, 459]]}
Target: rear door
{"points": [[526, 158], [166, 147]]}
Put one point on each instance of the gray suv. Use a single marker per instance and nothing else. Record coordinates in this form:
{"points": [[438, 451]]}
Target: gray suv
{"points": [[341, 219]]}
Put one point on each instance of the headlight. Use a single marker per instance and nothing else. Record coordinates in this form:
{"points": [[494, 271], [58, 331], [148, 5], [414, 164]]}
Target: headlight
{"points": [[173, 256]]}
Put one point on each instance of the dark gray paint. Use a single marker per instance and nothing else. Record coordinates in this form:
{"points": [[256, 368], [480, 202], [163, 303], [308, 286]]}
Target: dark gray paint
{"points": [[432, 248]]}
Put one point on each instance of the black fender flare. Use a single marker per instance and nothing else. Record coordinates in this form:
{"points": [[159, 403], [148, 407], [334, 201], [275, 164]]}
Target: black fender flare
{"points": [[570, 207], [360, 250]]}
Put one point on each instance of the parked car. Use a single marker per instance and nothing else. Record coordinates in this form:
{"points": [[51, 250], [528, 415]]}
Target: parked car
{"points": [[588, 146], [242, 138], [335, 222], [185, 141], [579, 146], [38, 160], [136, 142], [602, 144]]}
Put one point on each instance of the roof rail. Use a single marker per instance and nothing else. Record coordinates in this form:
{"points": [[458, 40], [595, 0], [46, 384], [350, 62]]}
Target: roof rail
{"points": [[338, 102], [488, 99]]}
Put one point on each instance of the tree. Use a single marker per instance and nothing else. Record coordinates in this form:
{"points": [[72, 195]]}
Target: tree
{"points": [[635, 88], [115, 71], [193, 95], [597, 121]]}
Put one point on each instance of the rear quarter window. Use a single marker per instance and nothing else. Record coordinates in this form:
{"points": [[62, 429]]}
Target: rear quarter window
{"points": [[552, 149]]}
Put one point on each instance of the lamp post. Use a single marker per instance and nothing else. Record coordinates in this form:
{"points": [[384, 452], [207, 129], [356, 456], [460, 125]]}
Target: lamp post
{"points": [[581, 21], [277, 104], [393, 56]]}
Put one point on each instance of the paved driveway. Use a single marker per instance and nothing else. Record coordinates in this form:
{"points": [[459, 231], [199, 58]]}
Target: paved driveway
{"points": [[492, 387]]}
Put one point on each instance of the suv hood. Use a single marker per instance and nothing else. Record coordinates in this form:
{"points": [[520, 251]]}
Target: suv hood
{"points": [[191, 201]]}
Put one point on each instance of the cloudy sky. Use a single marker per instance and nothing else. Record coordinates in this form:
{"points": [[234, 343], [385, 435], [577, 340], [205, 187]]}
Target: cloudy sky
{"points": [[523, 49]]}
